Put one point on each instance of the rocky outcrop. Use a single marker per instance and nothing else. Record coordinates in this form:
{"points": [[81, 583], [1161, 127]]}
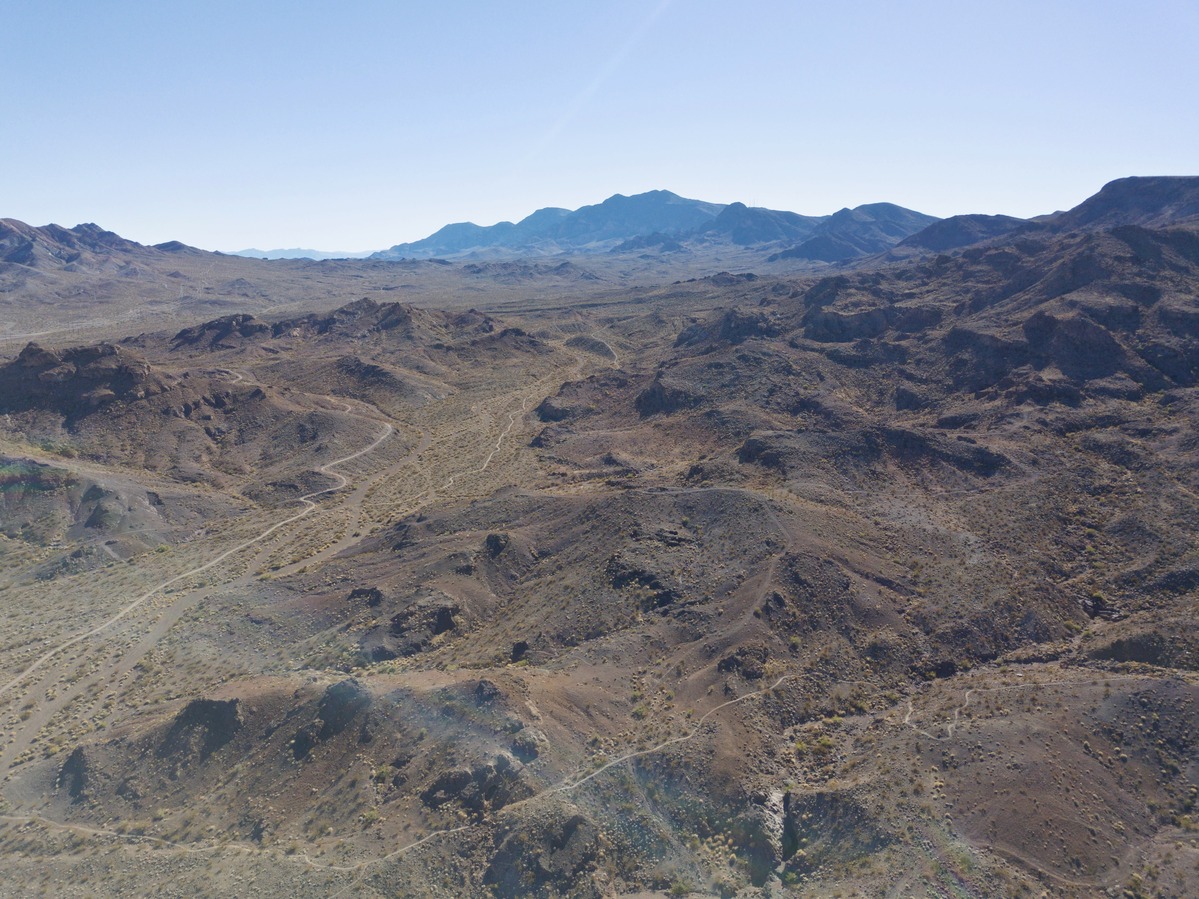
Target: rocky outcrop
{"points": [[914, 446], [548, 410], [758, 834], [370, 596], [77, 381], [355, 319], [74, 774], [825, 291], [496, 544], [1078, 346], [222, 333], [547, 856], [488, 786], [591, 345], [841, 327], [629, 572], [748, 661], [907, 399], [1169, 645], [412, 630], [201, 728], [1030, 386], [731, 326], [663, 398], [529, 743], [340, 706], [827, 827], [980, 358]]}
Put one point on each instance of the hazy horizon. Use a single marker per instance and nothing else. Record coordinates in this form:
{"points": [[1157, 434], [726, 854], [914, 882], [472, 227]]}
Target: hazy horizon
{"points": [[279, 126]]}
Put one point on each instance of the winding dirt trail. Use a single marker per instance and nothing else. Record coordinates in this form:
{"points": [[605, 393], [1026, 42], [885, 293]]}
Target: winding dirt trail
{"points": [[952, 725], [170, 616], [309, 506], [46, 704]]}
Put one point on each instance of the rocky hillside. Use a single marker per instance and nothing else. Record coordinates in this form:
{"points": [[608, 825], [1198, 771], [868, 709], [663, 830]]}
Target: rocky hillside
{"points": [[877, 582]]}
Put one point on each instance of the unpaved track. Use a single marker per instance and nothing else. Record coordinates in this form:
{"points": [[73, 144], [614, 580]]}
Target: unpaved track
{"points": [[172, 614], [45, 708], [309, 506], [952, 725]]}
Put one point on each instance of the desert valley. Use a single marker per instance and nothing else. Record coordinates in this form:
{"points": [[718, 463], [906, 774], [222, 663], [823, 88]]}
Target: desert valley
{"points": [[657, 547]]}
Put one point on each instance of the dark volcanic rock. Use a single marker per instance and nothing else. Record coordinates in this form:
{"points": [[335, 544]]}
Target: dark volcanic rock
{"points": [[1078, 346], [827, 325], [487, 692], [372, 596], [218, 333], [831, 826], [732, 326], [663, 398], [748, 661], [545, 857], [623, 572], [201, 728], [74, 774], [412, 630], [758, 835], [907, 399], [1151, 647], [340, 704], [487, 787], [529, 743], [980, 358], [907, 445], [77, 381]]}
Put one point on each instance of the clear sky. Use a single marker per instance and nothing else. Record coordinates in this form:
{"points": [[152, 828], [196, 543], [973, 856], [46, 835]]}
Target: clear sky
{"points": [[358, 125]]}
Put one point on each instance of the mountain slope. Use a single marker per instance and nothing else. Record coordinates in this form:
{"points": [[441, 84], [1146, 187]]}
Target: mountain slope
{"points": [[53, 246], [745, 226], [552, 230], [861, 231], [961, 231], [1148, 201]]}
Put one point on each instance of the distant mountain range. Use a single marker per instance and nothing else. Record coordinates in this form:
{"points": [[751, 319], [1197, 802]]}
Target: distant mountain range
{"points": [[666, 222], [659, 223], [297, 253]]}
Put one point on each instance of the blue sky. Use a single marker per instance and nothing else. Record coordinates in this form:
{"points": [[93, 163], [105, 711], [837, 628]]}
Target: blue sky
{"points": [[358, 125]]}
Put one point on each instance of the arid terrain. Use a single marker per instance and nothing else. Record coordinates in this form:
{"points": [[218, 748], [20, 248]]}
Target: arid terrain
{"points": [[763, 561]]}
